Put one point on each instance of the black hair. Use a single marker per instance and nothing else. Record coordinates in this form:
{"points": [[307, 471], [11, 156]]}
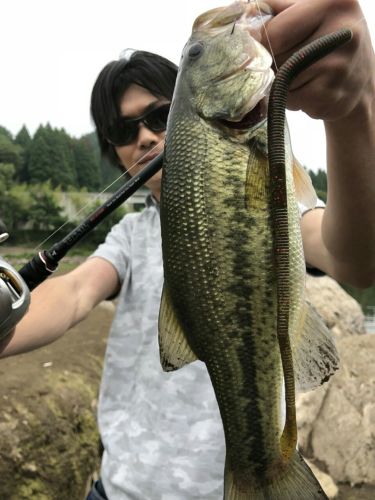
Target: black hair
{"points": [[150, 71]]}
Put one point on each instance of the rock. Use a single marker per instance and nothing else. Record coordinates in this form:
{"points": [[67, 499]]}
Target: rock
{"points": [[308, 409], [326, 482], [337, 422], [49, 442], [342, 314]]}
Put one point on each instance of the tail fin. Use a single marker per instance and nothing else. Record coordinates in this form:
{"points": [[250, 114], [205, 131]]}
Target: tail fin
{"points": [[297, 482]]}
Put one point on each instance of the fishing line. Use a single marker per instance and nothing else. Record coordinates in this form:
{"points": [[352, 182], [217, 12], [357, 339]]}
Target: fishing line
{"points": [[91, 202], [266, 33]]}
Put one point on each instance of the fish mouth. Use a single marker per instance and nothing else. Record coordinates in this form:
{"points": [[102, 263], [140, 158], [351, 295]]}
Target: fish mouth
{"points": [[252, 118]]}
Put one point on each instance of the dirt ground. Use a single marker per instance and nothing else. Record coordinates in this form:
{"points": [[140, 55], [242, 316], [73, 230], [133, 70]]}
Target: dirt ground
{"points": [[48, 434], [49, 444]]}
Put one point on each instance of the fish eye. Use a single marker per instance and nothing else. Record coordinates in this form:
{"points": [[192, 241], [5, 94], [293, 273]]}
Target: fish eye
{"points": [[195, 50]]}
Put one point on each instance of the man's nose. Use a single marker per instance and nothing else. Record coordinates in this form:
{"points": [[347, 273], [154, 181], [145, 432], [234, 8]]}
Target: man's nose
{"points": [[146, 136]]}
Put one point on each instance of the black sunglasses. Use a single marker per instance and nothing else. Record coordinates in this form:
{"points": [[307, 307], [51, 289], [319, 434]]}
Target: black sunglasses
{"points": [[124, 131]]}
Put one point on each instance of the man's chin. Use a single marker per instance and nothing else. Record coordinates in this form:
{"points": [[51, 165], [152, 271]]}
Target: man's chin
{"points": [[154, 184]]}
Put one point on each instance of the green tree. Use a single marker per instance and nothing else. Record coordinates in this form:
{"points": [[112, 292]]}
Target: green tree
{"points": [[108, 172], [319, 180], [7, 171], [51, 158], [9, 152], [86, 165], [23, 137], [24, 140], [14, 206], [40, 166], [64, 155], [44, 211], [4, 131]]}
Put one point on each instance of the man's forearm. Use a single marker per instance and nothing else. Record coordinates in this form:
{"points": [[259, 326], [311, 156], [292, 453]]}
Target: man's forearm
{"points": [[50, 314], [348, 228], [59, 303]]}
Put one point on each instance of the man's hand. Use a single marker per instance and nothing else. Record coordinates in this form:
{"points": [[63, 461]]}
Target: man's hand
{"points": [[333, 87], [339, 89]]}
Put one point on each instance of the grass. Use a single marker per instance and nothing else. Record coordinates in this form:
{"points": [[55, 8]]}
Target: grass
{"points": [[18, 257]]}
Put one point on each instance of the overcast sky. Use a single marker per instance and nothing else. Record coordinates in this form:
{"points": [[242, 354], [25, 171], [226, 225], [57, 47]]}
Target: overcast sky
{"points": [[51, 52]]}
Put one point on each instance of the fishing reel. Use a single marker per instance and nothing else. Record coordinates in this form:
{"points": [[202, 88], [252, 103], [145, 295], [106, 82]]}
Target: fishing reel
{"points": [[14, 296]]}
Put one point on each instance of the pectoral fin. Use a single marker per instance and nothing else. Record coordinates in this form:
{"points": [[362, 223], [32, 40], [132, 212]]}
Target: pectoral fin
{"points": [[175, 351], [315, 357], [305, 192]]}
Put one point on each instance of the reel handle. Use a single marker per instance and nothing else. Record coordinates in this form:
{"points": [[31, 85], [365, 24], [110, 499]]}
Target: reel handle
{"points": [[14, 298]]}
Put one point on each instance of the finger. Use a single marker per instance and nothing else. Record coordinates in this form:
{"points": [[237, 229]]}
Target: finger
{"points": [[319, 91], [290, 28], [279, 5]]}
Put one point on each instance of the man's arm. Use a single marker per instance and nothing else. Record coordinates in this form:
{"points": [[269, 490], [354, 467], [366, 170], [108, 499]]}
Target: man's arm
{"points": [[59, 303], [339, 89]]}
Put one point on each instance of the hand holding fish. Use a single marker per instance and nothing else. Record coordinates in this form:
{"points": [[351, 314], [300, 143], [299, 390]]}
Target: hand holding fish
{"points": [[333, 87], [340, 90]]}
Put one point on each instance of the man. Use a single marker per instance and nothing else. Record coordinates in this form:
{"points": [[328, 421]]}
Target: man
{"points": [[162, 433]]}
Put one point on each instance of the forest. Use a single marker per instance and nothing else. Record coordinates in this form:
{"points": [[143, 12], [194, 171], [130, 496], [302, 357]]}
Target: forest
{"points": [[35, 169]]}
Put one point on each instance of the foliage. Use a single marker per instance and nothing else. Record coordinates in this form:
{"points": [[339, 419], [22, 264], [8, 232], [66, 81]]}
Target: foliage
{"points": [[109, 172], [322, 195], [23, 137], [34, 170], [366, 297], [9, 151], [24, 140], [7, 171], [319, 180], [44, 211], [14, 204], [52, 155], [5, 132], [86, 165], [51, 158]]}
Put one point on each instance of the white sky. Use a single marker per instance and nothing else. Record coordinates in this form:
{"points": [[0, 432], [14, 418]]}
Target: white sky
{"points": [[51, 52]]}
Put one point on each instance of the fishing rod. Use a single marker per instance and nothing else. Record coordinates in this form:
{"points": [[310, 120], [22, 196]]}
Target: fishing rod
{"points": [[15, 286], [46, 262]]}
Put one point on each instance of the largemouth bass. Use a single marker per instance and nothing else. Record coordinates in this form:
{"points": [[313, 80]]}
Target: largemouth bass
{"points": [[220, 300]]}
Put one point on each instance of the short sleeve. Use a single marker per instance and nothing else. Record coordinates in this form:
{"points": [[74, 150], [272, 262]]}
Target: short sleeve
{"points": [[313, 271], [116, 248]]}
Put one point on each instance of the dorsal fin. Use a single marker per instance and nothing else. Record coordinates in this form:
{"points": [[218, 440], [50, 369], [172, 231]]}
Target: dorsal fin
{"points": [[305, 192]]}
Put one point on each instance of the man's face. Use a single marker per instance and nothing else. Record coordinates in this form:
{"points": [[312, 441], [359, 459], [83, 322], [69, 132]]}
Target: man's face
{"points": [[148, 144]]}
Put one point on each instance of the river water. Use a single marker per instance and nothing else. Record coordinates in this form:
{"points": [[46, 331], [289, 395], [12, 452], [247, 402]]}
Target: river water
{"points": [[370, 319]]}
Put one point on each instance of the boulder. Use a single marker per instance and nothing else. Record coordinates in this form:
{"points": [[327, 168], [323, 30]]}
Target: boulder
{"points": [[337, 421], [326, 482], [341, 313], [49, 444], [343, 436]]}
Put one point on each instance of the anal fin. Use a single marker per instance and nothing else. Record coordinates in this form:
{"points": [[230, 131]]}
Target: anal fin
{"points": [[175, 351], [315, 357]]}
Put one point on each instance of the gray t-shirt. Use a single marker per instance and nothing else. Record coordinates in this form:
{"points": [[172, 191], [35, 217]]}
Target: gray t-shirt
{"points": [[162, 432]]}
